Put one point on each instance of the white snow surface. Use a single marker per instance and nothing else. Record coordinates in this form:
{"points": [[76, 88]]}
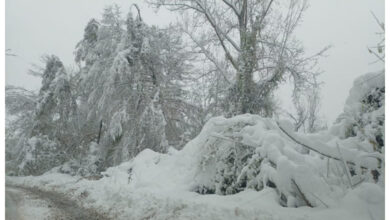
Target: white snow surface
{"points": [[361, 86], [22, 206], [161, 186], [121, 200]]}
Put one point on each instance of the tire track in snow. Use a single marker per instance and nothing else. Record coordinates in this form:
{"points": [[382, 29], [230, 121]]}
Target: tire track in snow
{"points": [[61, 207]]}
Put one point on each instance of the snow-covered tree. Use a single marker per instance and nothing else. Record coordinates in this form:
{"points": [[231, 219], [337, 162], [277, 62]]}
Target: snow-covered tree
{"points": [[20, 104], [56, 107], [45, 123], [307, 102], [255, 39], [133, 85], [85, 48]]}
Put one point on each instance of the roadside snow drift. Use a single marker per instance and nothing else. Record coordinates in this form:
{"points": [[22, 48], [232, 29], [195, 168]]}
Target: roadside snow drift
{"points": [[239, 168], [248, 167]]}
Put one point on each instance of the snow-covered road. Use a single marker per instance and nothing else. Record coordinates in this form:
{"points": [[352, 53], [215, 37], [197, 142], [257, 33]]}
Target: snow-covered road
{"points": [[11, 205], [21, 205], [31, 203]]}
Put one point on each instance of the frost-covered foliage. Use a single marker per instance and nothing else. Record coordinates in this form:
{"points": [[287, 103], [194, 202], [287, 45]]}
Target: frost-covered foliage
{"points": [[40, 154], [56, 107], [42, 127], [363, 114], [361, 126], [20, 105], [131, 81], [249, 44], [248, 152], [129, 104], [129, 94], [252, 166], [306, 115]]}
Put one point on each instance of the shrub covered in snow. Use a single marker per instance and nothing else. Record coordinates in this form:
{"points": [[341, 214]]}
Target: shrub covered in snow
{"points": [[88, 164], [251, 152], [254, 166], [363, 113], [40, 154], [361, 125]]}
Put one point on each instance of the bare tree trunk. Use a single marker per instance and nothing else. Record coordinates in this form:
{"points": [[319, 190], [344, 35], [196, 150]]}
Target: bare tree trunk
{"points": [[245, 83], [100, 131]]}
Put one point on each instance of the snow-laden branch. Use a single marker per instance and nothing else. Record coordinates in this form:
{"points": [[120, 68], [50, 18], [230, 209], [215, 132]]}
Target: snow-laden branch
{"points": [[349, 156]]}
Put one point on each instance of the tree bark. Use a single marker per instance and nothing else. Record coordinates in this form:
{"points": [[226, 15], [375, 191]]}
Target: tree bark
{"points": [[100, 131]]}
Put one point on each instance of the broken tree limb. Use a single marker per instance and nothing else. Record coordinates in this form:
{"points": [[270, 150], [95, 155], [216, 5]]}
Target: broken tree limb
{"points": [[301, 194], [313, 148]]}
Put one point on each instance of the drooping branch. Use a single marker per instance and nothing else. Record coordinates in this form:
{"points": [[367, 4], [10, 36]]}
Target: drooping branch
{"points": [[138, 10], [328, 155]]}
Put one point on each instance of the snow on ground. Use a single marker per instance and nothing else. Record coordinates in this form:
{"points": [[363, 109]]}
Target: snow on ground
{"points": [[121, 200], [162, 186], [22, 206]]}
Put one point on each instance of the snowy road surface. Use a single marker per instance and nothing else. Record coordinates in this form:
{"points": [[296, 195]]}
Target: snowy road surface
{"points": [[29, 203], [22, 205]]}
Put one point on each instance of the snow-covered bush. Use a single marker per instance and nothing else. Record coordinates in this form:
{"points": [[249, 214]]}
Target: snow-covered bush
{"points": [[251, 152], [115, 128], [361, 125], [39, 155], [364, 107], [87, 164], [248, 152]]}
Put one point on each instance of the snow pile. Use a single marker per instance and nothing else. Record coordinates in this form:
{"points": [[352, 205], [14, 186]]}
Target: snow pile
{"points": [[364, 111], [361, 128], [362, 87], [249, 167], [127, 192]]}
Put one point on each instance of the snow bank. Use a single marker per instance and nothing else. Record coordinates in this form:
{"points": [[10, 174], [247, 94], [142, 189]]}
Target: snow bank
{"points": [[115, 196], [166, 186], [361, 87], [249, 167], [360, 127]]}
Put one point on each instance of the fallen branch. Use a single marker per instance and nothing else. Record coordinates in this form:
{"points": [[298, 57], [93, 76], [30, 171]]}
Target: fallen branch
{"points": [[302, 195], [313, 149], [345, 166]]}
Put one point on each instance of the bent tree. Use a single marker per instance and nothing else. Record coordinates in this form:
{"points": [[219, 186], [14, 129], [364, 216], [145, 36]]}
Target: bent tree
{"points": [[255, 38]]}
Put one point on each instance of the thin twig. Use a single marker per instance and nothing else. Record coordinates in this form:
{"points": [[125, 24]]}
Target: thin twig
{"points": [[301, 194], [346, 169], [313, 149], [326, 205]]}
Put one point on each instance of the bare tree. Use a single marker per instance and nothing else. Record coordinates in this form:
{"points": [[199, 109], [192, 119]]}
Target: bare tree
{"points": [[313, 99], [301, 115], [307, 102], [255, 38], [379, 50]]}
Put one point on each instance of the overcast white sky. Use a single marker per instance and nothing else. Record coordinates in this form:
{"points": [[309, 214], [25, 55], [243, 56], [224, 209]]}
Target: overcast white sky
{"points": [[38, 27]]}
